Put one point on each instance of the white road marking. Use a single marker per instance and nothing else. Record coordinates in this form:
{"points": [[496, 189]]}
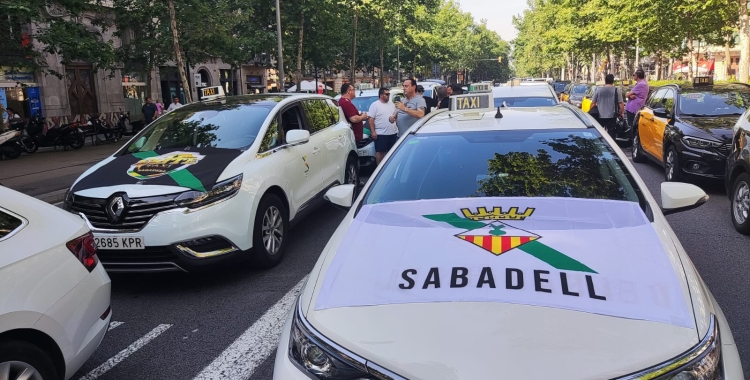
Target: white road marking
{"points": [[252, 348], [114, 324], [122, 355]]}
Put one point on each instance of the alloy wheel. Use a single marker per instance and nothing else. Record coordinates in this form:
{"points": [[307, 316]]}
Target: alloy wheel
{"points": [[351, 174], [636, 143], [272, 230], [741, 203], [17, 370], [669, 165]]}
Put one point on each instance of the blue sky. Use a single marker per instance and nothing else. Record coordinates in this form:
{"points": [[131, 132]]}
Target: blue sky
{"points": [[499, 14]]}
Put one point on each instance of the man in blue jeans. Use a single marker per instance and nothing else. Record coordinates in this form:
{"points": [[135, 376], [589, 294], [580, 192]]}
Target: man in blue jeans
{"points": [[382, 119]]}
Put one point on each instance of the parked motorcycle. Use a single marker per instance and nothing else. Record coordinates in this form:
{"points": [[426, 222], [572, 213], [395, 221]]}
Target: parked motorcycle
{"points": [[126, 126], [10, 145], [66, 135], [100, 128], [28, 144]]}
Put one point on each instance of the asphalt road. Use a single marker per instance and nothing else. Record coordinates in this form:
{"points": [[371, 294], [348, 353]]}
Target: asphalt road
{"points": [[222, 324]]}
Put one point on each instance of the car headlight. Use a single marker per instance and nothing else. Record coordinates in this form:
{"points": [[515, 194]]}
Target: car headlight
{"points": [[700, 143], [221, 191], [702, 362], [321, 358]]}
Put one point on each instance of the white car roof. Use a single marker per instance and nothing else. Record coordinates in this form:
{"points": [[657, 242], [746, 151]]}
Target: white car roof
{"points": [[555, 117], [526, 91]]}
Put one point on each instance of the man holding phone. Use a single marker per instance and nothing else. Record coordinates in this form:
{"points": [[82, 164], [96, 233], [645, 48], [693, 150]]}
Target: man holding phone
{"points": [[411, 109]]}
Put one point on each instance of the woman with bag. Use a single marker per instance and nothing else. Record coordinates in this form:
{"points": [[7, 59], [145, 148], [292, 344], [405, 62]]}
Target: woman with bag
{"points": [[608, 103]]}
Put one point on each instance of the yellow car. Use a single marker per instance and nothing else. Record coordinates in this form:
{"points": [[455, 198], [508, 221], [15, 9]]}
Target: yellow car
{"points": [[586, 102]]}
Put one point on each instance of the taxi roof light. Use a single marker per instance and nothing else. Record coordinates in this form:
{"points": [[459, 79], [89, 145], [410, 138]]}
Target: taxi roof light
{"points": [[471, 106], [212, 93], [703, 81]]}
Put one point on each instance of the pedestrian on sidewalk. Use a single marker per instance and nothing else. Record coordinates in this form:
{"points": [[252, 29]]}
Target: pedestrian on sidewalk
{"points": [[636, 97], [175, 104], [608, 100], [382, 121], [149, 111], [351, 112], [159, 108], [411, 108]]}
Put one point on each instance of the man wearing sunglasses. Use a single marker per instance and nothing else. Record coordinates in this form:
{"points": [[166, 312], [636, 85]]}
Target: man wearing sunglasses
{"points": [[382, 119]]}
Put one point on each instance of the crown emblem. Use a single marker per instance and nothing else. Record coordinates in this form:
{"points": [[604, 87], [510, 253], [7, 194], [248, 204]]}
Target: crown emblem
{"points": [[497, 214]]}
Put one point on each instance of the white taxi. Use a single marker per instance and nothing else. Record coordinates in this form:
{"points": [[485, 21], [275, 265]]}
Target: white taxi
{"points": [[217, 180], [514, 243]]}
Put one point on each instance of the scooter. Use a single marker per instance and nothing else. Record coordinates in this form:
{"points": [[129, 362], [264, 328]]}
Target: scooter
{"points": [[10, 145], [66, 135], [110, 134], [28, 144]]}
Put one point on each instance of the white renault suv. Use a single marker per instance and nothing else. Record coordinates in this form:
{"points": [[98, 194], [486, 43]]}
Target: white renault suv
{"points": [[215, 181], [515, 243]]}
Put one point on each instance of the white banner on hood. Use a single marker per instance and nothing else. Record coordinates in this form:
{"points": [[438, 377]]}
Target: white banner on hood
{"points": [[594, 256]]}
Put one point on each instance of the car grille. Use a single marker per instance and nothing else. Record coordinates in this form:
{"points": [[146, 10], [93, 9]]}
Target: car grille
{"points": [[724, 149], [363, 143], [138, 211], [151, 259]]}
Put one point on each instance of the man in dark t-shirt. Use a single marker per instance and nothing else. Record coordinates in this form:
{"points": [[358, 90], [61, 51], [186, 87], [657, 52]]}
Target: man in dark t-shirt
{"points": [[350, 110], [149, 111]]}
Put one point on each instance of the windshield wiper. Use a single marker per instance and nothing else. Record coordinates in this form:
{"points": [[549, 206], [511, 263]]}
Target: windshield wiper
{"points": [[696, 114]]}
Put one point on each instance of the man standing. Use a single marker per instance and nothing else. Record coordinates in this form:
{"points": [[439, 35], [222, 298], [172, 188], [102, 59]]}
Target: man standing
{"points": [[636, 97], [383, 124], [149, 111], [412, 107], [350, 111], [608, 100], [429, 101], [175, 104]]}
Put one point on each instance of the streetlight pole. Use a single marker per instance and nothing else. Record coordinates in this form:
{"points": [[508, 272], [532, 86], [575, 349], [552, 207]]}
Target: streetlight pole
{"points": [[281, 49]]}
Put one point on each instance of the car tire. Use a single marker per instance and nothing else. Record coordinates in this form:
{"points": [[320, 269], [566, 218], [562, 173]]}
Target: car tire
{"points": [[16, 355], [740, 203], [637, 150], [351, 174], [672, 165], [270, 232]]}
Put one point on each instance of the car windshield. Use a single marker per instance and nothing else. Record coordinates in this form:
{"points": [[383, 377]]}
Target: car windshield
{"points": [[233, 124], [559, 86], [714, 103], [525, 163], [524, 102], [580, 89], [363, 103]]}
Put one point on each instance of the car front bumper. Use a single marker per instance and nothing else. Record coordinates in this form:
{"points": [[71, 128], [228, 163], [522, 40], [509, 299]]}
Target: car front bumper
{"points": [[366, 152], [701, 163]]}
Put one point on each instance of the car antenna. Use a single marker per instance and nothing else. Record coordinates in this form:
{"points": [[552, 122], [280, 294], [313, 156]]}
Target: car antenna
{"points": [[498, 115]]}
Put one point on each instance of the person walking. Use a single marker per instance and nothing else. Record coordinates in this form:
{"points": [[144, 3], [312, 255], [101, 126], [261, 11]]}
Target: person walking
{"points": [[149, 111], [411, 108], [350, 111], [636, 98], [382, 121], [175, 104], [608, 100], [159, 108]]}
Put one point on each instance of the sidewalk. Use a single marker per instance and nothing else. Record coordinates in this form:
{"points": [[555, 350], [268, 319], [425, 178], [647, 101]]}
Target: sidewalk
{"points": [[48, 173]]}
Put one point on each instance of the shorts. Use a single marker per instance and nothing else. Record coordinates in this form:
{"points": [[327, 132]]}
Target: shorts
{"points": [[384, 143]]}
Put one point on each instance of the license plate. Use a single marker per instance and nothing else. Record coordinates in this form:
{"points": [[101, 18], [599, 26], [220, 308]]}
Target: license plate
{"points": [[119, 242], [361, 152]]}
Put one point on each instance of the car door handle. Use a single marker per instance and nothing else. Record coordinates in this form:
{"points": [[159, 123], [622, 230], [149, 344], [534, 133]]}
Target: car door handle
{"points": [[316, 150]]}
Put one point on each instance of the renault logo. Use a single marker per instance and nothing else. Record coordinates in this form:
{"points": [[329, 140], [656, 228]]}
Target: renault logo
{"points": [[115, 209]]}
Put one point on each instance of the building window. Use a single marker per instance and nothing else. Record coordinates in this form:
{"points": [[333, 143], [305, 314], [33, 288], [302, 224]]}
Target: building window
{"points": [[227, 81]]}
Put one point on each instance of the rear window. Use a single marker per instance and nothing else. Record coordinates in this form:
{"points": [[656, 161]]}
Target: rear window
{"points": [[8, 224], [529, 163], [559, 87], [524, 102], [580, 89], [708, 103]]}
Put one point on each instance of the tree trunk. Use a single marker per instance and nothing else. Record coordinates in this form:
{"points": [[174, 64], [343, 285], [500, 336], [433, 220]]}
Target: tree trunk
{"points": [[692, 57], [592, 74], [354, 50], [658, 65], [727, 58], [299, 46], [178, 54], [744, 66], [382, 75]]}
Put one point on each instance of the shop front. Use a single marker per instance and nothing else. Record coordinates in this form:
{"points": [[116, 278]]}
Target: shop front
{"points": [[20, 92]]}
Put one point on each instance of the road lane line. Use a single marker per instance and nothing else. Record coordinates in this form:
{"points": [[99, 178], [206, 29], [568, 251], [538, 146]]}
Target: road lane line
{"points": [[122, 355], [114, 324], [240, 360]]}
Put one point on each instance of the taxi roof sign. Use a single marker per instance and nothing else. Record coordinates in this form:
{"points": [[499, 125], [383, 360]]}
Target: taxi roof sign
{"points": [[480, 87], [703, 81], [365, 86], [212, 93], [472, 106]]}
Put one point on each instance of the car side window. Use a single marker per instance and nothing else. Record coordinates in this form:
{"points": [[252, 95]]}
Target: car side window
{"points": [[318, 115], [271, 138], [8, 224], [656, 99], [290, 119], [668, 101], [333, 111]]}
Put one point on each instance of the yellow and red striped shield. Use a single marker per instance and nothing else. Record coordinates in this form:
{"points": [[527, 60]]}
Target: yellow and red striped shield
{"points": [[497, 244]]}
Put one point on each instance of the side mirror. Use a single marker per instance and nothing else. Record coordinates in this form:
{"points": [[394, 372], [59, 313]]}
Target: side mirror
{"points": [[297, 136], [678, 197], [341, 196], [661, 112]]}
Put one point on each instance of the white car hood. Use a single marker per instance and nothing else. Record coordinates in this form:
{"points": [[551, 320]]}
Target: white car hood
{"points": [[477, 340]]}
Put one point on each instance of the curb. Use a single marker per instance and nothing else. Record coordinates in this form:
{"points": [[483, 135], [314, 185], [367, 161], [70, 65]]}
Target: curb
{"points": [[52, 197]]}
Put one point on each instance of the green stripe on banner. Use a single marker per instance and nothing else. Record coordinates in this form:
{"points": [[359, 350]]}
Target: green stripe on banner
{"points": [[183, 177], [556, 259]]}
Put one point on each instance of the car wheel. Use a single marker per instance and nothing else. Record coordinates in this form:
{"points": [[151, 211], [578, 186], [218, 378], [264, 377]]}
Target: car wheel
{"points": [[21, 360], [740, 198], [637, 150], [351, 174], [271, 232], [671, 165]]}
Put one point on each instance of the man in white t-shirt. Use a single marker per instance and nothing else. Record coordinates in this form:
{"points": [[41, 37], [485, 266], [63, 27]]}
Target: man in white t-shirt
{"points": [[382, 119], [175, 104]]}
